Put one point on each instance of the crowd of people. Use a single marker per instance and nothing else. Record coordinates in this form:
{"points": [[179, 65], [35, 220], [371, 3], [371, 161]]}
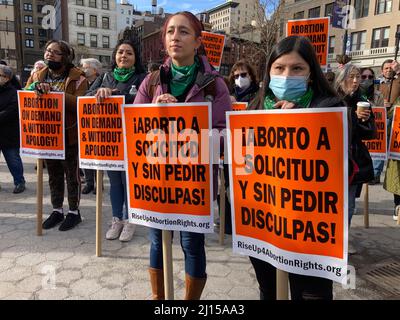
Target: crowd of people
{"points": [[292, 79]]}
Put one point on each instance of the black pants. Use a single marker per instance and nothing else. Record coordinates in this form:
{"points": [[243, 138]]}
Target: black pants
{"points": [[301, 287]]}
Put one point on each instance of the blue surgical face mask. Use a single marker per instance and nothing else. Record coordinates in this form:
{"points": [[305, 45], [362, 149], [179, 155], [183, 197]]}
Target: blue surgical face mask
{"points": [[288, 87]]}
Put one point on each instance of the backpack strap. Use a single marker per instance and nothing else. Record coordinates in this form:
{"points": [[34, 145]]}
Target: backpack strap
{"points": [[153, 83]]}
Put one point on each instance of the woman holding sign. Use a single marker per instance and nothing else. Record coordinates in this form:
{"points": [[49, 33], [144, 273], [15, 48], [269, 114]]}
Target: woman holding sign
{"points": [[126, 76], [186, 76], [61, 75], [294, 79]]}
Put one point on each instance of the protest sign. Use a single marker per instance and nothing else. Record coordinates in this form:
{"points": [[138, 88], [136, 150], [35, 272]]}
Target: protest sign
{"points": [[166, 157], [42, 125], [101, 144], [289, 186], [378, 147], [394, 144], [214, 46], [317, 31], [239, 106]]}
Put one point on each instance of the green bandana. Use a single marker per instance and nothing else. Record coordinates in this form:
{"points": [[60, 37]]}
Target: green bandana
{"points": [[304, 101], [123, 74], [182, 77]]}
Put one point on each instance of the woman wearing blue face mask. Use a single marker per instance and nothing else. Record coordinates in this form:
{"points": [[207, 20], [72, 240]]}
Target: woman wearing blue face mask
{"points": [[294, 79]]}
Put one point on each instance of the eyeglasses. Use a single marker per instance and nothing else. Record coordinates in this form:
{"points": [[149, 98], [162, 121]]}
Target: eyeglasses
{"points": [[243, 75], [57, 53], [370, 77]]}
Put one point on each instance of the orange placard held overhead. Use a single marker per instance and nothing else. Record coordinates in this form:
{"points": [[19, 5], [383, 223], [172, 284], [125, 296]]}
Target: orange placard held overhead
{"points": [[239, 106], [214, 46], [378, 147], [289, 183], [394, 144], [41, 122], [169, 177], [317, 30], [101, 143]]}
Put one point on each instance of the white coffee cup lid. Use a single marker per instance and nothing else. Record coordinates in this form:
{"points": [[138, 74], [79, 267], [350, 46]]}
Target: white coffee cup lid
{"points": [[363, 104]]}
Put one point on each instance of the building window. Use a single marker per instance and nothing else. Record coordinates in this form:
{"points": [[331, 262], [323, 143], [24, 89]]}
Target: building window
{"points": [[93, 41], [314, 12], [383, 6], [358, 40], [93, 21], [81, 39], [80, 19], [42, 43], [39, 21], [105, 60], [361, 8], [29, 31], [39, 8], [29, 43], [299, 15], [380, 37], [27, 7], [329, 10], [106, 42], [28, 19], [106, 22], [79, 2], [331, 48], [92, 3], [42, 33], [105, 4]]}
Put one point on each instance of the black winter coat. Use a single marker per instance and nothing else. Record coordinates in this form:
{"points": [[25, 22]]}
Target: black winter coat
{"points": [[361, 131], [9, 118], [107, 80]]}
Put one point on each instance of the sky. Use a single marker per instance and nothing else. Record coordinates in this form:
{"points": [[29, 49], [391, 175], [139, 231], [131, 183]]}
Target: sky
{"points": [[171, 6]]}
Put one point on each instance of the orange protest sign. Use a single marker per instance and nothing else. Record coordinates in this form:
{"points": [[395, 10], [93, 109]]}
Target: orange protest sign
{"points": [[101, 144], [394, 144], [239, 106], [214, 46], [169, 179], [41, 125], [378, 147], [317, 30], [289, 197]]}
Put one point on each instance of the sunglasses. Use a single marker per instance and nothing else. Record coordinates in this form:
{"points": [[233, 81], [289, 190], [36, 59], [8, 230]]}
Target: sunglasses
{"points": [[370, 77], [243, 75]]}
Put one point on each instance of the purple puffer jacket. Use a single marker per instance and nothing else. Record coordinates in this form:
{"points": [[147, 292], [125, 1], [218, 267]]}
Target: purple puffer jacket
{"points": [[220, 104], [206, 74]]}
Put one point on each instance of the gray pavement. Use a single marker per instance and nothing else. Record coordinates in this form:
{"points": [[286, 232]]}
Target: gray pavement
{"points": [[63, 265]]}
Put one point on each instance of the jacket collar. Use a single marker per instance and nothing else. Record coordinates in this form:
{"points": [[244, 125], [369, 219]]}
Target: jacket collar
{"points": [[74, 74]]}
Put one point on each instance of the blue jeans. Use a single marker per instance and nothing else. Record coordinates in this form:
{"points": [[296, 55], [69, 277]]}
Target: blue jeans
{"points": [[118, 194], [378, 167], [352, 200], [193, 248], [14, 164]]}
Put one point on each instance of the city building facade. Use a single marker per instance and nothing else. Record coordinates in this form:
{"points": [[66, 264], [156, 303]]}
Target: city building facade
{"points": [[8, 40]]}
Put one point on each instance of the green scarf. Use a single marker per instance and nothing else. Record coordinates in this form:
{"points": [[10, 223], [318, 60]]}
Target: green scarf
{"points": [[123, 74], [182, 77], [304, 101]]}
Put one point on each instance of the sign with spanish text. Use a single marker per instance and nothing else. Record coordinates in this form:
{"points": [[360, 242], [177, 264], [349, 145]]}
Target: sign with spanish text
{"points": [[101, 143], [169, 176], [317, 31], [378, 147], [239, 106], [289, 187], [394, 144], [41, 123], [214, 45]]}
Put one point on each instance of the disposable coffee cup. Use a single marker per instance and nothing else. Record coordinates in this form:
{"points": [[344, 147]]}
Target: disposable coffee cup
{"points": [[362, 106]]}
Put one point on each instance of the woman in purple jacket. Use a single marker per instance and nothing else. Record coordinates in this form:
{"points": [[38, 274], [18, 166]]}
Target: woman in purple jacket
{"points": [[186, 76]]}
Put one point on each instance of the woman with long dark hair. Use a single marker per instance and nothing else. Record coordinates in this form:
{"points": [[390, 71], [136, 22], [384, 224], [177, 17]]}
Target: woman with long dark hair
{"points": [[294, 79], [126, 76], [186, 76], [61, 75]]}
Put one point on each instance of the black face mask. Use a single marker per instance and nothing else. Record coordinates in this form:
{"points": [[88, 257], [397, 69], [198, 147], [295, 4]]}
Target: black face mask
{"points": [[53, 65]]}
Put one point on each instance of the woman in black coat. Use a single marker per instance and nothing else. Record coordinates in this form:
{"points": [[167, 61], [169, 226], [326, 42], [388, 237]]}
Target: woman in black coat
{"points": [[9, 128]]}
